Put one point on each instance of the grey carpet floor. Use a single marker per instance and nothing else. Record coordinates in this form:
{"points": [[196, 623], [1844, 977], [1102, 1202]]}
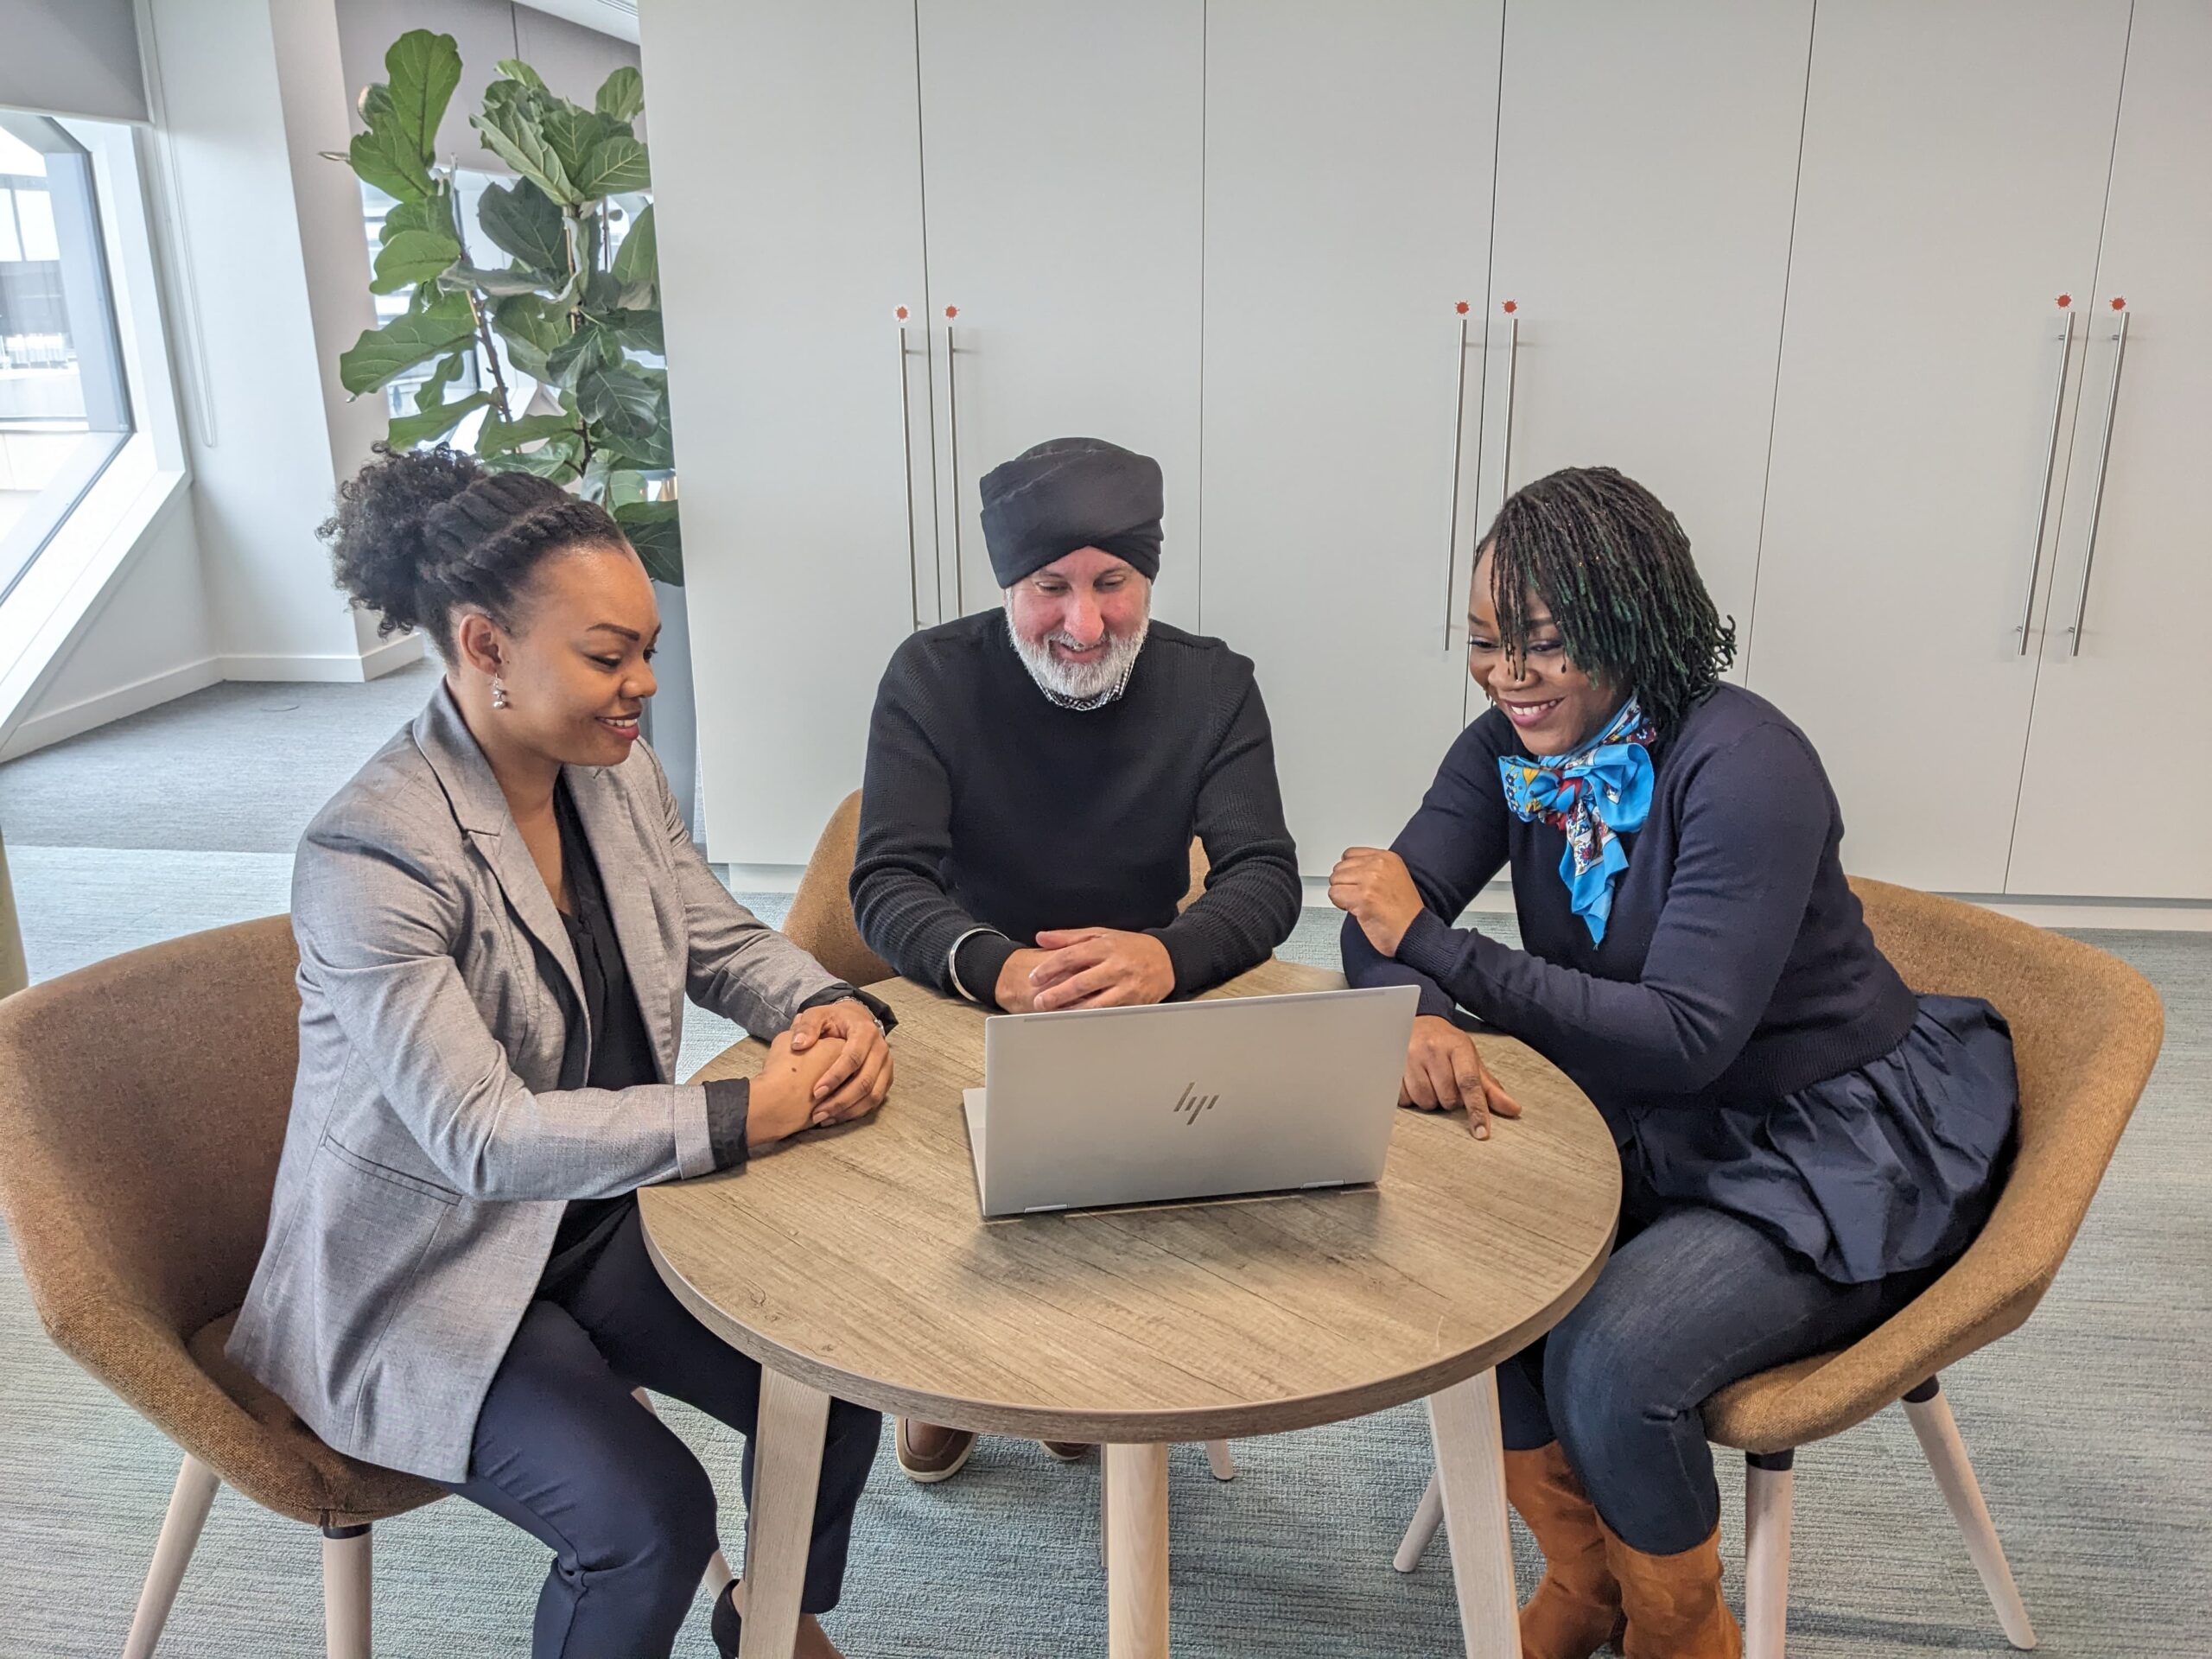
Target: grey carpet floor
{"points": [[2089, 1427]]}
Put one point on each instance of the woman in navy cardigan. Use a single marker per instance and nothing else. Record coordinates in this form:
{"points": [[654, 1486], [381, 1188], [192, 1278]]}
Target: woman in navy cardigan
{"points": [[1804, 1143]]}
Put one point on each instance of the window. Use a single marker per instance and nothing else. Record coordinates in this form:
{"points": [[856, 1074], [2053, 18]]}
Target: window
{"points": [[65, 409]]}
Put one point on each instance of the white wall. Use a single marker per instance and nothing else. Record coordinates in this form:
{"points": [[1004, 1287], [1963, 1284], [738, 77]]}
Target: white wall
{"points": [[268, 283], [149, 640]]}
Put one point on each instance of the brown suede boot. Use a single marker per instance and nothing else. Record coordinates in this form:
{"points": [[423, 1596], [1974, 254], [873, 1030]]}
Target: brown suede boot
{"points": [[1674, 1604], [1577, 1607]]}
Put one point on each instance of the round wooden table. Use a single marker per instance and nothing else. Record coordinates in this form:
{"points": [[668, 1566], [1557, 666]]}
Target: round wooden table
{"points": [[853, 1262]]}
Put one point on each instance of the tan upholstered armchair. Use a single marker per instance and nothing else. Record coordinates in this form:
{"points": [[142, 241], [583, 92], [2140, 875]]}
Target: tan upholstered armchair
{"points": [[821, 918], [2086, 1032], [142, 1105]]}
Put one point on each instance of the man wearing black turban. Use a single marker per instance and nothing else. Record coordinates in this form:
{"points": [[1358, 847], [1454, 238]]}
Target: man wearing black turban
{"points": [[1036, 775]]}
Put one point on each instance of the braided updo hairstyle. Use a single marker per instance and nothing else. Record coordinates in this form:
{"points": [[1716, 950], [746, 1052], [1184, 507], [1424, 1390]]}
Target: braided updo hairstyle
{"points": [[1615, 567], [419, 533]]}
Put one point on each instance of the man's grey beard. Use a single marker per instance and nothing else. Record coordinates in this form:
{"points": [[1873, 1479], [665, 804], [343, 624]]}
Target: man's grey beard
{"points": [[1078, 685]]}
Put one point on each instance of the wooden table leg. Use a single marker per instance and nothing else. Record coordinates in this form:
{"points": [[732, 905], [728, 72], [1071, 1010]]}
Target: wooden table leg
{"points": [[1136, 1551], [1471, 1464], [786, 1469]]}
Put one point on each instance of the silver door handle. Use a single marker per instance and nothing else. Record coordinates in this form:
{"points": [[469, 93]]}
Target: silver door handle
{"points": [[1512, 364], [2049, 462], [1459, 437], [952, 443], [2097, 498], [906, 456]]}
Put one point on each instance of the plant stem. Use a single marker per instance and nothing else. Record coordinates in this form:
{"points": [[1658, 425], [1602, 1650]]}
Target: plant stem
{"points": [[491, 353]]}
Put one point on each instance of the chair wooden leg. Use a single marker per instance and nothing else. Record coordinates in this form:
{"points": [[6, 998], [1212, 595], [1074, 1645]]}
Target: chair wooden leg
{"points": [[718, 1574], [1221, 1460], [1938, 1433], [1427, 1519], [347, 1585], [188, 1505], [1770, 1489]]}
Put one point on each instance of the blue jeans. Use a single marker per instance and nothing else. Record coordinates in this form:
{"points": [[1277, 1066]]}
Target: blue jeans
{"points": [[1690, 1303], [564, 1451]]}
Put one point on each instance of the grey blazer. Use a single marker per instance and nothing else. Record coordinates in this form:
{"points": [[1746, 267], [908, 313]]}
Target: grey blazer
{"points": [[431, 1148]]}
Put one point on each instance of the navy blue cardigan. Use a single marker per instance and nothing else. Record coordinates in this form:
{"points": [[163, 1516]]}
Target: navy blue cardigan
{"points": [[1737, 965]]}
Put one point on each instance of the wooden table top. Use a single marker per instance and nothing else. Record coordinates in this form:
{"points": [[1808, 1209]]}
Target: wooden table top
{"points": [[855, 1260]]}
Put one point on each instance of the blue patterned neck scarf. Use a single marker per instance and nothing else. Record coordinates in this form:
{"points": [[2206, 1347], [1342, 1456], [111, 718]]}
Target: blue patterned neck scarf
{"points": [[1592, 796]]}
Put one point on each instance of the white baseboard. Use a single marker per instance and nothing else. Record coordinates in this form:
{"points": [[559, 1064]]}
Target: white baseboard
{"points": [[340, 667], [57, 724]]}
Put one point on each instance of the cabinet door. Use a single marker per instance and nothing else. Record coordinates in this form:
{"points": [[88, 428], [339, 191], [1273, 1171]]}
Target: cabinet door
{"points": [[1347, 213], [1061, 162], [788, 205], [1952, 184], [1647, 167], [2116, 799]]}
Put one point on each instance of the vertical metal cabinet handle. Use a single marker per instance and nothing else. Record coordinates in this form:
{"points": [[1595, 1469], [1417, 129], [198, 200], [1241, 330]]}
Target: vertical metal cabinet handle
{"points": [[1512, 365], [952, 441], [906, 456], [1459, 438], [2097, 498], [2049, 462]]}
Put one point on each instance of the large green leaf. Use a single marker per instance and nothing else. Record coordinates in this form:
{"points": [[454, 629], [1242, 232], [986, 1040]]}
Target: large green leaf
{"points": [[410, 430], [634, 331], [383, 353], [622, 95], [424, 69], [413, 257], [637, 261], [523, 220], [590, 346], [515, 69], [384, 158], [619, 397], [514, 279], [510, 130], [499, 437], [532, 328], [432, 391], [431, 213], [573, 132], [616, 164], [556, 460], [651, 451], [624, 484], [651, 528]]}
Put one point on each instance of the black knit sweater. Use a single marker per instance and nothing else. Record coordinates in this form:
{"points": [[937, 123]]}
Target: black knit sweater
{"points": [[985, 804]]}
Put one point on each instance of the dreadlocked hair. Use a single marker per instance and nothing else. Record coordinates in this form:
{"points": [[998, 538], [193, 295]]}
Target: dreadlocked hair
{"points": [[1614, 567]]}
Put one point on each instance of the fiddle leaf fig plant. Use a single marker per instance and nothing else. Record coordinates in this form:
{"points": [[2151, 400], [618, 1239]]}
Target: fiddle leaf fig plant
{"points": [[575, 311]]}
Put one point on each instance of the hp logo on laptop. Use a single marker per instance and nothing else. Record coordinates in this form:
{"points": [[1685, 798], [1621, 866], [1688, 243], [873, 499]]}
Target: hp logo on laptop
{"points": [[1191, 1105]]}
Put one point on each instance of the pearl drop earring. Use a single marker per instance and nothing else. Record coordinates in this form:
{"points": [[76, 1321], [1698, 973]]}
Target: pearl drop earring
{"points": [[498, 692]]}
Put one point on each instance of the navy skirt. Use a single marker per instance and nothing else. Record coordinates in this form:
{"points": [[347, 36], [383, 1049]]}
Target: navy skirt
{"points": [[1885, 1169]]}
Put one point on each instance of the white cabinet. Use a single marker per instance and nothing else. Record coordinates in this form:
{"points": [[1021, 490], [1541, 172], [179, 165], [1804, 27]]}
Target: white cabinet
{"points": [[2116, 799], [1060, 148], [1952, 186], [1646, 170], [788, 206], [1347, 210]]}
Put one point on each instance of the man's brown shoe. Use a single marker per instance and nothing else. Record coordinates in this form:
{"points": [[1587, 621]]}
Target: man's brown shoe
{"points": [[1067, 1451], [929, 1453]]}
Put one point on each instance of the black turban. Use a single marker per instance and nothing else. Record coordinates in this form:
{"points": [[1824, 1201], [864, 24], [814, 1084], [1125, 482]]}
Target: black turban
{"points": [[1071, 492]]}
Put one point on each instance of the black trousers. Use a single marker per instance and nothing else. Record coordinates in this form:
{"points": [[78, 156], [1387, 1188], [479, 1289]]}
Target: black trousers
{"points": [[564, 1451]]}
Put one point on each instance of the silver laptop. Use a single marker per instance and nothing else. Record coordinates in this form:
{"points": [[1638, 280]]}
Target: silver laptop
{"points": [[1187, 1100]]}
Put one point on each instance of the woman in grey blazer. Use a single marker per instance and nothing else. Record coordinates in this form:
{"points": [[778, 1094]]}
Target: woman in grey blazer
{"points": [[499, 918]]}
